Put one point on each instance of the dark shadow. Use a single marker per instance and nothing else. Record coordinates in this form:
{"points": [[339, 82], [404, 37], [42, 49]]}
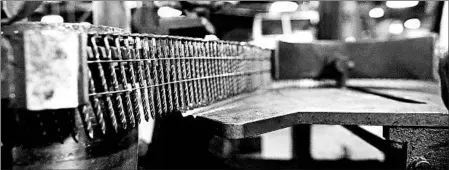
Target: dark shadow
{"points": [[179, 143]]}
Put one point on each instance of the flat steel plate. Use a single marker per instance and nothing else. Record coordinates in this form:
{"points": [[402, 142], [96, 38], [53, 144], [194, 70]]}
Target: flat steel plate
{"points": [[411, 58], [287, 105]]}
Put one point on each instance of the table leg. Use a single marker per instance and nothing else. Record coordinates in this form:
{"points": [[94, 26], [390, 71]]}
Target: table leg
{"points": [[301, 138]]}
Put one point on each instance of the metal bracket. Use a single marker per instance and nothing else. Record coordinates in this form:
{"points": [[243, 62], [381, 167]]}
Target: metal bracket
{"points": [[428, 148]]}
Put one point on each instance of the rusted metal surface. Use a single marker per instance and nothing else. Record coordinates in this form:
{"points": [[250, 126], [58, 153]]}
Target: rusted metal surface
{"points": [[273, 109], [50, 60], [48, 65], [426, 144], [47, 69]]}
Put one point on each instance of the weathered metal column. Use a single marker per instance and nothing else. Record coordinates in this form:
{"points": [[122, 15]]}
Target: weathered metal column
{"points": [[49, 119]]}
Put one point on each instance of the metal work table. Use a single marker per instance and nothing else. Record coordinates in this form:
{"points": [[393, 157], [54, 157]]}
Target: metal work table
{"points": [[287, 104], [282, 106]]}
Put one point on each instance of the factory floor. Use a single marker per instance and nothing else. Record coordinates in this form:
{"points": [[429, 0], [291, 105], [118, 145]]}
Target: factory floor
{"points": [[331, 147], [328, 142]]}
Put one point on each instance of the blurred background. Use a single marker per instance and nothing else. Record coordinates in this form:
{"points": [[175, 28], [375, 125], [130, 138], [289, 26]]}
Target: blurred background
{"points": [[265, 23], [252, 20]]}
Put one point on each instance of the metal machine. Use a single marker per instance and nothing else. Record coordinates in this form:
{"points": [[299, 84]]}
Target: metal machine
{"points": [[77, 93]]}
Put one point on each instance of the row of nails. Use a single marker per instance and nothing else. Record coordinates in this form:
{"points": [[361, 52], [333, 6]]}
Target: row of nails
{"points": [[165, 89]]}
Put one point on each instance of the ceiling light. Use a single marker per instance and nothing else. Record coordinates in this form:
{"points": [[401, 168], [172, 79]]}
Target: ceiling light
{"points": [[283, 6], [52, 19], [401, 4], [166, 12], [376, 13], [413, 23]]}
